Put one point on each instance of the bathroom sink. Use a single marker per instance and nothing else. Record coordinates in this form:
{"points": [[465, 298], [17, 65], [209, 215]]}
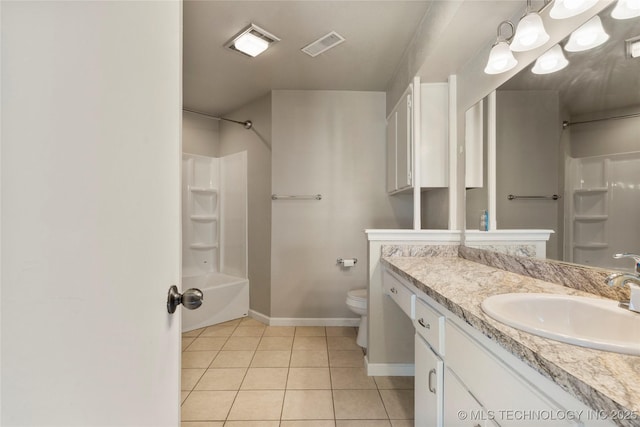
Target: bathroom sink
{"points": [[587, 322]]}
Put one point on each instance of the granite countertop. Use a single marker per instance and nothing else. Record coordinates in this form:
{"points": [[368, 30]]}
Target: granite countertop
{"points": [[602, 380]]}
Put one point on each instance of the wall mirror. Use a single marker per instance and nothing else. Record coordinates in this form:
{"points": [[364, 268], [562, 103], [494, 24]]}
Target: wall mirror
{"points": [[574, 133]]}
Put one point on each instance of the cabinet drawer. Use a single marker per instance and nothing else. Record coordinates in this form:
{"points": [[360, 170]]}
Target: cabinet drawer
{"points": [[430, 325], [399, 293], [496, 386]]}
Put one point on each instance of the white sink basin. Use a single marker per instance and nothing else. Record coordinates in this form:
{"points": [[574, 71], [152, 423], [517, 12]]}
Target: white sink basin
{"points": [[587, 322]]}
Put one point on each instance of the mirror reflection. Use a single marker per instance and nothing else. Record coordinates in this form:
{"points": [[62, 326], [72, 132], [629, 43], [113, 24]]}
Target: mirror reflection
{"points": [[574, 133]]}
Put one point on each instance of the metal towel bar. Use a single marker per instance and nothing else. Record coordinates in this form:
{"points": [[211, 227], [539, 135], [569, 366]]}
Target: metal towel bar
{"points": [[296, 197], [553, 197]]}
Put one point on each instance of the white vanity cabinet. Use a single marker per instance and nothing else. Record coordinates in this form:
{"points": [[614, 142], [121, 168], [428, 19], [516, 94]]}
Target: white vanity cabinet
{"points": [[462, 378], [429, 373], [503, 393], [428, 385], [400, 293], [461, 409]]}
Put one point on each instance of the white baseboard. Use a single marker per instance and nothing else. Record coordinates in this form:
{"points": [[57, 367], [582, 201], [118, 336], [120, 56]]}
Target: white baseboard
{"points": [[389, 369], [304, 321], [259, 316]]}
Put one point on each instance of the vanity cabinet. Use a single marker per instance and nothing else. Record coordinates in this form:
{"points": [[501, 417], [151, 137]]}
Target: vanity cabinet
{"points": [[428, 385], [461, 409], [462, 378], [432, 119], [403, 296], [503, 394], [429, 374]]}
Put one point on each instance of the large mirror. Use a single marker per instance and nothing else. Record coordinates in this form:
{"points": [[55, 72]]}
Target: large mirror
{"points": [[574, 133]]}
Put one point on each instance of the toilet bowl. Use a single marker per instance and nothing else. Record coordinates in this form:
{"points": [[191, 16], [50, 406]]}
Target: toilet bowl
{"points": [[357, 302]]}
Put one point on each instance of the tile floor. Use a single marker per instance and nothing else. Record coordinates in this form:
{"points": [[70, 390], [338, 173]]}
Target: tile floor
{"points": [[245, 374]]}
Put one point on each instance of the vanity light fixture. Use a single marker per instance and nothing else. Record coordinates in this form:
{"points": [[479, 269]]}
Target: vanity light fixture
{"points": [[626, 9], [563, 9], [551, 61], [501, 58], [530, 32], [252, 41], [588, 36]]}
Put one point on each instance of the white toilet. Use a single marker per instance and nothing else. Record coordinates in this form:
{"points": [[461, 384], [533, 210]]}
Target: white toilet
{"points": [[357, 302]]}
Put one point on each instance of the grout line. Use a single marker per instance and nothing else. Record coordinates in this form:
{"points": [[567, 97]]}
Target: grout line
{"points": [[240, 385], [333, 397]]}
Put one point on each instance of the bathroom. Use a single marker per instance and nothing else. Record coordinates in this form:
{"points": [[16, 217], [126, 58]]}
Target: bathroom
{"points": [[349, 174]]}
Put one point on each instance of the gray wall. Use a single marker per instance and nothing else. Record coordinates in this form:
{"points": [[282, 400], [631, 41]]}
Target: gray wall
{"points": [[200, 135], [332, 143], [605, 137], [257, 142], [528, 161]]}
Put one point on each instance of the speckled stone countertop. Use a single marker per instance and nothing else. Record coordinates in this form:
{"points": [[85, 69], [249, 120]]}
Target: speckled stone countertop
{"points": [[602, 380]]}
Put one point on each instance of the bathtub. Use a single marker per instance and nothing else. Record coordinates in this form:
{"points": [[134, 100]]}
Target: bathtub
{"points": [[225, 298]]}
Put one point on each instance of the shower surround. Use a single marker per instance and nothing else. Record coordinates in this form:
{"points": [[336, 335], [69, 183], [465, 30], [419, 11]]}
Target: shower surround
{"points": [[214, 237]]}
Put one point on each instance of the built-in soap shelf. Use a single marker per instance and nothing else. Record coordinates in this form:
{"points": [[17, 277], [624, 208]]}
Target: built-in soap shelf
{"points": [[591, 218], [204, 218], [591, 245], [591, 190], [203, 246], [203, 190]]}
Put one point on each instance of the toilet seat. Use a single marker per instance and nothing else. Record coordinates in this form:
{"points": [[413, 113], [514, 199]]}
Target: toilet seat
{"points": [[357, 298]]}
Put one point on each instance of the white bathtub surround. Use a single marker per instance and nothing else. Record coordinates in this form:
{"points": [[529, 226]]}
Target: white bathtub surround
{"points": [[214, 237], [224, 298]]}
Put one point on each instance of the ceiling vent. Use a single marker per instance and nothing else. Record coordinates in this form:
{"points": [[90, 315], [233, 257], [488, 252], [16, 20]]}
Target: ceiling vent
{"points": [[323, 44]]}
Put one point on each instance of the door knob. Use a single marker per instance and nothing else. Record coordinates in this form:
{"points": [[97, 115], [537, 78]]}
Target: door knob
{"points": [[191, 299]]}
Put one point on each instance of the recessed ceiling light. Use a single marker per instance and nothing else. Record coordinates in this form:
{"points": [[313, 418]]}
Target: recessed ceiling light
{"points": [[252, 41]]}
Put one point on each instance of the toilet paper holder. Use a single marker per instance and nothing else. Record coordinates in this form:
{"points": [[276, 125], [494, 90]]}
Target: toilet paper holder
{"points": [[347, 262]]}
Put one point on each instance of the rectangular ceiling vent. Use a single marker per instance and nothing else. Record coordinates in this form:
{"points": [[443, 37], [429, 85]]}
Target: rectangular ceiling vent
{"points": [[323, 44]]}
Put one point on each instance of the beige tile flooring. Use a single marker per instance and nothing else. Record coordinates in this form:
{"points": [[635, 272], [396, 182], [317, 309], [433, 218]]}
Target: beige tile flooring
{"points": [[245, 374]]}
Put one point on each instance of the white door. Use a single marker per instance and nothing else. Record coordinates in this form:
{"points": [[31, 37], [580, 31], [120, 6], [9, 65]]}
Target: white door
{"points": [[90, 174]]}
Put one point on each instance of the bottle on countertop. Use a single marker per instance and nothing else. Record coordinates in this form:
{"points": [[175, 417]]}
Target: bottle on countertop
{"points": [[484, 220]]}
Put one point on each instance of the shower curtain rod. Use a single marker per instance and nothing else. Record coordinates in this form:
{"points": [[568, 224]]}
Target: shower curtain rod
{"points": [[247, 123], [566, 123]]}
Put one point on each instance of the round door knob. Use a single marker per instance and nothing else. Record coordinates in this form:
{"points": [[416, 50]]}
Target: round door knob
{"points": [[191, 299]]}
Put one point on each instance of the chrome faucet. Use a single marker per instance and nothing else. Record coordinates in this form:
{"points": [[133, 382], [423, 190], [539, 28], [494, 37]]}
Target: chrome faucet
{"points": [[633, 280]]}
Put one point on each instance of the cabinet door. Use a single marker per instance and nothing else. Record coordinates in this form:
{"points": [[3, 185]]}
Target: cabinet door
{"points": [[428, 386], [392, 123], [404, 143], [460, 408]]}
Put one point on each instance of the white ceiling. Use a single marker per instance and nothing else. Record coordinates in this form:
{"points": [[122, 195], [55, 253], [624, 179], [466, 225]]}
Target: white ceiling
{"points": [[218, 81]]}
